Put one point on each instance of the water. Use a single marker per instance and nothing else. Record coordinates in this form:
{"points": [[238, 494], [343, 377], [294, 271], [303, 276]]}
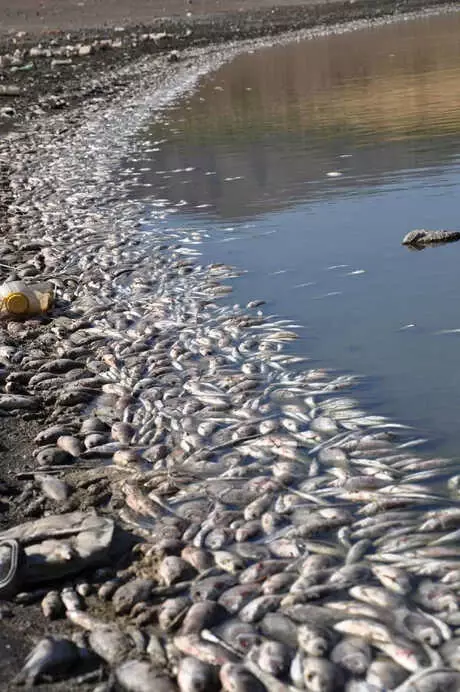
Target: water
{"points": [[304, 165]]}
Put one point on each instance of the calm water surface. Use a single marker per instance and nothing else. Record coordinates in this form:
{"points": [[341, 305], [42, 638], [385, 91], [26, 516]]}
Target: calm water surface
{"points": [[305, 165]]}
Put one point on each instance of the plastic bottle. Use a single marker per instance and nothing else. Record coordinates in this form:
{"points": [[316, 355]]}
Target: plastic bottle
{"points": [[18, 299]]}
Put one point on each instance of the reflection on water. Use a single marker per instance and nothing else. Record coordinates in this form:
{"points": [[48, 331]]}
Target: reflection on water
{"points": [[266, 129], [319, 156]]}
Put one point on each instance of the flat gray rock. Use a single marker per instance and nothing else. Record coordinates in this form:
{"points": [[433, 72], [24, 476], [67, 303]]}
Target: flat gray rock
{"points": [[420, 237], [63, 544]]}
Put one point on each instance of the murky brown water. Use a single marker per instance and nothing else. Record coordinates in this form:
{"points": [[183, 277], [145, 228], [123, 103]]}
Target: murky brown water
{"points": [[305, 164]]}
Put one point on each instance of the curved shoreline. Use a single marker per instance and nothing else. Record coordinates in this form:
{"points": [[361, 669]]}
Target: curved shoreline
{"points": [[58, 171]]}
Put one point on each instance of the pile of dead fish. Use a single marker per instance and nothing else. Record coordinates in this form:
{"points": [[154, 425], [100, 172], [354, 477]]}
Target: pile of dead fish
{"points": [[207, 511]]}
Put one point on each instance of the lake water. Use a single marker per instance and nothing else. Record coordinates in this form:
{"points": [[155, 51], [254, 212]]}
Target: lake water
{"points": [[304, 165]]}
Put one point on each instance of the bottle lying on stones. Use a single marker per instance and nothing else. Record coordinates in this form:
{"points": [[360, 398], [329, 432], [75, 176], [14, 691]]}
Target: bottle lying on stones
{"points": [[18, 299]]}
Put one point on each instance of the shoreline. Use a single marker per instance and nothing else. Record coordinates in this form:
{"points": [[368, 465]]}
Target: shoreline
{"points": [[49, 69], [249, 17], [43, 143]]}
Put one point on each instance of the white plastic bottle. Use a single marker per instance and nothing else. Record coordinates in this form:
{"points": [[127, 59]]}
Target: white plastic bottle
{"points": [[18, 299]]}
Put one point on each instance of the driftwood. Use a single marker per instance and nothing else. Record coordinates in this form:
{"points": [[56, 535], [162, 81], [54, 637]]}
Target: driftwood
{"points": [[420, 238]]}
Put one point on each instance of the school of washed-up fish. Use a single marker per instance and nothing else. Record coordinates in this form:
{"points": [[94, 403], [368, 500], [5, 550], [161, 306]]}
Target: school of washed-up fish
{"points": [[207, 510]]}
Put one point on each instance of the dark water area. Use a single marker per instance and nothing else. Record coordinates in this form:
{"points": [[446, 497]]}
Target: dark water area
{"points": [[304, 165]]}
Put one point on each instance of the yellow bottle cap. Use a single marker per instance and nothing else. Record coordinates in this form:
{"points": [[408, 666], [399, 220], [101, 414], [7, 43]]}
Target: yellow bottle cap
{"points": [[17, 303]]}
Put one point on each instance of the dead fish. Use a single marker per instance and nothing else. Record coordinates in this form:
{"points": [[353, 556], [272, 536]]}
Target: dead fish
{"points": [[207, 652], [240, 636], [296, 670], [11, 402], [321, 675], [393, 578], [50, 435], [141, 676], [110, 643], [51, 655], [418, 626], [435, 596], [195, 676], [279, 627], [71, 599], [122, 432], [278, 583], [236, 678], [236, 597], [172, 611], [211, 588], [258, 607], [201, 615], [353, 654], [435, 679], [52, 605], [365, 628], [173, 569], [131, 593], [71, 445], [386, 674], [228, 561], [376, 596], [199, 558], [274, 657], [314, 639], [261, 570], [156, 652], [407, 654], [450, 652]]}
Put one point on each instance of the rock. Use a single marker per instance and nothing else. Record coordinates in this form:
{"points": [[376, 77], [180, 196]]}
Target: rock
{"points": [[421, 237], [59, 545]]}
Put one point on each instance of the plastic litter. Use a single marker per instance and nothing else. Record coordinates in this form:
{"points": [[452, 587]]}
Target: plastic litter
{"points": [[18, 299]]}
